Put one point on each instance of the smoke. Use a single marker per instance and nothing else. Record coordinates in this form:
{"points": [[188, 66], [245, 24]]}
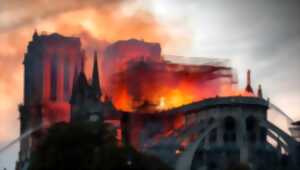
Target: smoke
{"points": [[221, 29], [97, 22], [17, 14], [261, 35], [136, 77]]}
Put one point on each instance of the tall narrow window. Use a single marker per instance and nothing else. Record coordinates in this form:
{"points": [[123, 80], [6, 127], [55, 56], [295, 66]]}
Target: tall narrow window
{"points": [[54, 78], [229, 130], [67, 76], [251, 128]]}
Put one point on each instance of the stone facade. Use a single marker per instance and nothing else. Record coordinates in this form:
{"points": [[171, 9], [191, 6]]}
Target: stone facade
{"points": [[236, 130], [50, 64], [209, 134]]}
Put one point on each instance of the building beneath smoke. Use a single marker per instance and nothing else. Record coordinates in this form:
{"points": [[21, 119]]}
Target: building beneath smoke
{"points": [[56, 89], [208, 134], [50, 64]]}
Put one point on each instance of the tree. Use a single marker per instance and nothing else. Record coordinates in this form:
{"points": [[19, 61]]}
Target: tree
{"points": [[88, 146]]}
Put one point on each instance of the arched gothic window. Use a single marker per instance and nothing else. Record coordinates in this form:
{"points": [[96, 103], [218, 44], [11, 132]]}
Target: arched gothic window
{"points": [[229, 130], [251, 128]]}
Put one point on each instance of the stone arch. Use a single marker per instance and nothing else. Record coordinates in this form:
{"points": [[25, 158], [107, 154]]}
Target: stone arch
{"points": [[229, 126], [184, 161], [287, 140], [280, 142]]}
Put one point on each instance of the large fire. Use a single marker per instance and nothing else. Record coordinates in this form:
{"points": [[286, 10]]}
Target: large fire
{"points": [[137, 78]]}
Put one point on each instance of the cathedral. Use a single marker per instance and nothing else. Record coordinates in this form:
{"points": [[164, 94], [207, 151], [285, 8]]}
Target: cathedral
{"points": [[56, 88], [207, 134]]}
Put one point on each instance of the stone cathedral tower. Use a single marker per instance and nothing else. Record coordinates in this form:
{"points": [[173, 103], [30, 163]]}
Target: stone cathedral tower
{"points": [[50, 65]]}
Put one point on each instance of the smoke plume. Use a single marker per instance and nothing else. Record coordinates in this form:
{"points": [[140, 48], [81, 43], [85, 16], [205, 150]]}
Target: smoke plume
{"points": [[96, 22]]}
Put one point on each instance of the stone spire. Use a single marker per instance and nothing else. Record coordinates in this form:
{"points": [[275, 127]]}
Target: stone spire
{"points": [[80, 88], [259, 92], [35, 35], [248, 87], [95, 77]]}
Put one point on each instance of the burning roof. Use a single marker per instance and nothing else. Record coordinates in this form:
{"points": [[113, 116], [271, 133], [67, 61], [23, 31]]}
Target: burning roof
{"points": [[136, 77]]}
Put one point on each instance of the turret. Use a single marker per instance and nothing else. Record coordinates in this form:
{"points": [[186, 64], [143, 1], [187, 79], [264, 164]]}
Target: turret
{"points": [[259, 92], [248, 87], [80, 89], [35, 35], [95, 77], [80, 85]]}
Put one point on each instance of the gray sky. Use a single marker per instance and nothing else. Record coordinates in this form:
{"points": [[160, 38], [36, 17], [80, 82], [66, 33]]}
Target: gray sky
{"points": [[262, 35]]}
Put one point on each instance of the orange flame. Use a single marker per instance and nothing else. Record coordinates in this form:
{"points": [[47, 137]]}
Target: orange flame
{"points": [[137, 78]]}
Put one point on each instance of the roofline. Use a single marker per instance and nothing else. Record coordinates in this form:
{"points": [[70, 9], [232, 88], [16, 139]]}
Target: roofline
{"points": [[207, 103]]}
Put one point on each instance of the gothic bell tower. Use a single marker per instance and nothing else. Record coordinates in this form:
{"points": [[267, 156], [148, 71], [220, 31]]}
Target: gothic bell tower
{"points": [[50, 63]]}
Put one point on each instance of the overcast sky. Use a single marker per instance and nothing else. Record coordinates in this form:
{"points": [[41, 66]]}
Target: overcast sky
{"points": [[262, 35]]}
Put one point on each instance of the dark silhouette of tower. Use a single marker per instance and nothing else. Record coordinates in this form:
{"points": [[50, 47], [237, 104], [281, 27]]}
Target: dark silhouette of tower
{"points": [[95, 77], [260, 92], [249, 87], [50, 64], [85, 100]]}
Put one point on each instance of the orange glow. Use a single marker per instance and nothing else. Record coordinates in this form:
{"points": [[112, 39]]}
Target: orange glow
{"points": [[177, 97], [185, 143], [119, 134], [141, 81], [146, 86], [152, 90], [162, 103], [124, 100], [95, 22], [163, 95], [179, 121], [137, 78]]}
